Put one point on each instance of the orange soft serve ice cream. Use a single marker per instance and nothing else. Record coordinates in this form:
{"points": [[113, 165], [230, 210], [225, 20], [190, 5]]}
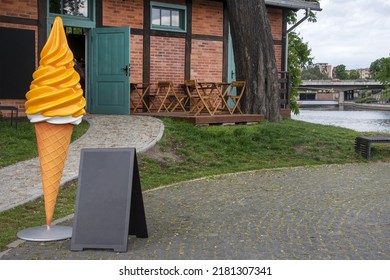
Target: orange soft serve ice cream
{"points": [[55, 103], [55, 94]]}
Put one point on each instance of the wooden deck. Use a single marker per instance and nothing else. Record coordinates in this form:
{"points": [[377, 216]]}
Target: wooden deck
{"points": [[203, 119]]}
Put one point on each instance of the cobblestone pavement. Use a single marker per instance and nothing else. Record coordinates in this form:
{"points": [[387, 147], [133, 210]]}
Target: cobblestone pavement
{"points": [[321, 212], [21, 182]]}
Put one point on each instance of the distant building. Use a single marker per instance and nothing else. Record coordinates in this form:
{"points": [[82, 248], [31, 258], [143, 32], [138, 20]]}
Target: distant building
{"points": [[364, 73], [325, 69]]}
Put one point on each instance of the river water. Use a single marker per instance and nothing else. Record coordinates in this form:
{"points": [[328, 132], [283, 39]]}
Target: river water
{"points": [[352, 118]]}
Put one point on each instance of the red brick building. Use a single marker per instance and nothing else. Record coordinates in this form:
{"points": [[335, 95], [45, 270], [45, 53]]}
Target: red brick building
{"points": [[169, 40]]}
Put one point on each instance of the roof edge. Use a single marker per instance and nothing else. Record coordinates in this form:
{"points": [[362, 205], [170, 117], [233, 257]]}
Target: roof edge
{"points": [[294, 4]]}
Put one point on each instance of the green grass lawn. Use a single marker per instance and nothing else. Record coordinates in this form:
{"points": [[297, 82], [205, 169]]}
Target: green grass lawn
{"points": [[17, 144], [187, 152]]}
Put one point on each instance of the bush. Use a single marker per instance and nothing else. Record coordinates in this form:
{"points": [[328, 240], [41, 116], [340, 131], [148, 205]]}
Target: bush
{"points": [[366, 100]]}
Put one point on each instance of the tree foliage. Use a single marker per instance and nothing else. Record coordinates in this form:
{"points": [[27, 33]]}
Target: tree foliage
{"points": [[354, 74], [299, 56], [380, 70], [292, 17], [314, 73], [67, 7], [341, 72]]}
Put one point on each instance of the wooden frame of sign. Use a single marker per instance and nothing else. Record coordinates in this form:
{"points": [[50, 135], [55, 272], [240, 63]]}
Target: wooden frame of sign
{"points": [[109, 203]]}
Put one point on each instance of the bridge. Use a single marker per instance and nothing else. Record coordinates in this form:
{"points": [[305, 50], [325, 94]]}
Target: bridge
{"points": [[335, 90], [340, 85]]}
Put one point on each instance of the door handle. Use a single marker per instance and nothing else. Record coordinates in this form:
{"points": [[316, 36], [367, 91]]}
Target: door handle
{"points": [[126, 69]]}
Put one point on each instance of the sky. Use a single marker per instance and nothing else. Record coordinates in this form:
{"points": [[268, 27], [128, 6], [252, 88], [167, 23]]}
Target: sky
{"points": [[350, 32]]}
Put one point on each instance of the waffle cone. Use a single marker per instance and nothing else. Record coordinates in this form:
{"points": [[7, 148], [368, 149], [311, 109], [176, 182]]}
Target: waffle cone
{"points": [[53, 142]]}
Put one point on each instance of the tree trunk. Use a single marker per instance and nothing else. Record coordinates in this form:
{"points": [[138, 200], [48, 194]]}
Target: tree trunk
{"points": [[254, 57]]}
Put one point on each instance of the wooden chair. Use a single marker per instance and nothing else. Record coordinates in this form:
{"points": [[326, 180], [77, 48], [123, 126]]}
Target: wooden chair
{"points": [[198, 99], [141, 89], [158, 99], [235, 93], [178, 102], [221, 104], [166, 98]]}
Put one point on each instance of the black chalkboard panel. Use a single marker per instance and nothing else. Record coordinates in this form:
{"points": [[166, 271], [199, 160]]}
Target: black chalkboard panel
{"points": [[109, 204], [17, 58]]}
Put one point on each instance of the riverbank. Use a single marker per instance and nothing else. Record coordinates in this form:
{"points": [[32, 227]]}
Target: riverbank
{"points": [[383, 107]]}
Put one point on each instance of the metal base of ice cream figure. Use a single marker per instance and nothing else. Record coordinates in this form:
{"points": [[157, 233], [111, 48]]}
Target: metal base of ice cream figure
{"points": [[45, 233]]}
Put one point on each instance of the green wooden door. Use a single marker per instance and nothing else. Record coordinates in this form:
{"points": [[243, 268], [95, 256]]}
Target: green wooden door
{"points": [[231, 68], [108, 71], [231, 65]]}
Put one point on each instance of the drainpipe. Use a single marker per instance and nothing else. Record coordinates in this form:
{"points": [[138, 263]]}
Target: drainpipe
{"points": [[288, 31]]}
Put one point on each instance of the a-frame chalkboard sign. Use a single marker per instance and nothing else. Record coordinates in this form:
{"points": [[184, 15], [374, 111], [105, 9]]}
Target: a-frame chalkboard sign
{"points": [[109, 203]]}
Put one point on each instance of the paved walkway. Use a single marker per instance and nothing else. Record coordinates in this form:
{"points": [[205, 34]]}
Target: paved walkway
{"points": [[21, 182], [320, 212]]}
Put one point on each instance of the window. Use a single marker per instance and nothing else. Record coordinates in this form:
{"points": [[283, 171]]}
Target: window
{"points": [[168, 17], [76, 13], [77, 8]]}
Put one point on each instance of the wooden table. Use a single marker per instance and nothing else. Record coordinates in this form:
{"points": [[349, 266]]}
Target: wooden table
{"points": [[216, 91], [166, 98], [206, 96]]}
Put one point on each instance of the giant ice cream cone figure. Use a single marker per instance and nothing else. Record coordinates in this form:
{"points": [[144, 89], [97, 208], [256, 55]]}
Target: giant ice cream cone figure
{"points": [[55, 103]]}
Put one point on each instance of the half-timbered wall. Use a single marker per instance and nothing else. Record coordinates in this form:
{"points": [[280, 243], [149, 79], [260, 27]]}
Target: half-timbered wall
{"points": [[198, 53]]}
